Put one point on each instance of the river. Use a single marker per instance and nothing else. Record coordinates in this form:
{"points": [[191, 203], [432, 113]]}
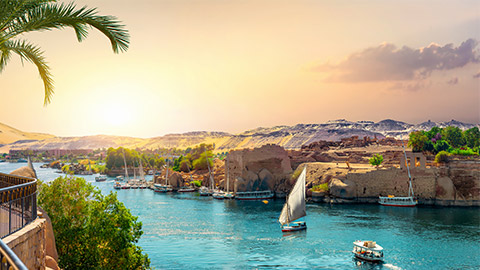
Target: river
{"points": [[186, 231]]}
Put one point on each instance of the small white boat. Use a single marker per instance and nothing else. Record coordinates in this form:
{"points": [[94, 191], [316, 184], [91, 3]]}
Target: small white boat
{"points": [[368, 251], [100, 178], [408, 201], [254, 195], [117, 185], [162, 188], [204, 191], [218, 194], [186, 189], [228, 196], [294, 207]]}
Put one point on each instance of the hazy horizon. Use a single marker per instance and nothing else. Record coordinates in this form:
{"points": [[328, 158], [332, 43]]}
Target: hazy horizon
{"points": [[233, 66]]}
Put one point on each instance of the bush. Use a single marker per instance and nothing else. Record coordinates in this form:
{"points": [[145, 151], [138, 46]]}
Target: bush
{"points": [[321, 187], [464, 151], [197, 183], [442, 157], [92, 231], [376, 160], [441, 146]]}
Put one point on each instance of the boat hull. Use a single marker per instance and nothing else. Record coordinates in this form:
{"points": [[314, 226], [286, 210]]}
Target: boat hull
{"points": [[397, 201], [367, 259], [294, 227]]}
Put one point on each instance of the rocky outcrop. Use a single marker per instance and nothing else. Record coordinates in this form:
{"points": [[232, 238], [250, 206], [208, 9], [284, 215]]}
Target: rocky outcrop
{"points": [[267, 167], [456, 183]]}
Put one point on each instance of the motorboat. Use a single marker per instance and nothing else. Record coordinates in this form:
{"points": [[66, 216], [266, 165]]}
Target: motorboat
{"points": [[368, 251], [100, 178]]}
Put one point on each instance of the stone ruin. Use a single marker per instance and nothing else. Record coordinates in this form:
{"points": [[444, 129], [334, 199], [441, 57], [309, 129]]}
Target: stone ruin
{"points": [[264, 168]]}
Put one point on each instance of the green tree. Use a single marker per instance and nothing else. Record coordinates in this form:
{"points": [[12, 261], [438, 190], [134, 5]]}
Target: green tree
{"points": [[92, 231], [441, 146], [472, 137], [417, 141], [376, 160], [454, 136], [21, 17]]}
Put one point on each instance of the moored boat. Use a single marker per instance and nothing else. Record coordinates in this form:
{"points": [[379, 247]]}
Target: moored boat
{"points": [[294, 207], [117, 185], [254, 195], [162, 188], [186, 189], [368, 251], [100, 178], [204, 191], [408, 201], [218, 194]]}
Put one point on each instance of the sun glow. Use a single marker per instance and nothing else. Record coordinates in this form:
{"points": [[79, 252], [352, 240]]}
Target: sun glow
{"points": [[115, 114]]}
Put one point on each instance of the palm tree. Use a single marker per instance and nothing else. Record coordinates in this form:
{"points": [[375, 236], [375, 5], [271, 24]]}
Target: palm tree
{"points": [[22, 16]]}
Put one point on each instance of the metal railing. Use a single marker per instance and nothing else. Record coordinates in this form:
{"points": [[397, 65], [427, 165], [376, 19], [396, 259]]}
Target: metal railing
{"points": [[18, 202], [18, 207], [8, 259]]}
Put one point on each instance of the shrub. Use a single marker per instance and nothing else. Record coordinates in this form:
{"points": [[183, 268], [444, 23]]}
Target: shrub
{"points": [[441, 146], [417, 140], [442, 157], [376, 160], [92, 231], [197, 183], [321, 187], [464, 151]]}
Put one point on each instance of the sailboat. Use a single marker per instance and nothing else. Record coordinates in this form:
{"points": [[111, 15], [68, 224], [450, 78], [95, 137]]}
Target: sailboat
{"points": [[408, 201], [126, 185], [163, 188], [227, 194], [204, 191], [294, 208]]}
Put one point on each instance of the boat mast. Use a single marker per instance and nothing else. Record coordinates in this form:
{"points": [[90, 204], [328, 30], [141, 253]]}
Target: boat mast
{"points": [[209, 172], [410, 188], [166, 174], [226, 169], [125, 163]]}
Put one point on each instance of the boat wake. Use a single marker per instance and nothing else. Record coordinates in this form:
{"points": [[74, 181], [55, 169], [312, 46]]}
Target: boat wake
{"points": [[391, 266]]}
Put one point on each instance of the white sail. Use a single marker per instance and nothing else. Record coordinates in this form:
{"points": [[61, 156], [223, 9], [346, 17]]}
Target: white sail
{"points": [[294, 207]]}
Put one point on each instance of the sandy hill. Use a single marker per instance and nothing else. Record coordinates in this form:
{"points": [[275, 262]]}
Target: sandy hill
{"points": [[10, 135], [289, 137]]}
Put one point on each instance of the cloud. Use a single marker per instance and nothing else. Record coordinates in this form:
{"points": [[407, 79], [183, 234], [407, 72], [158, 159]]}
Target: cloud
{"points": [[476, 75], [388, 63], [453, 81]]}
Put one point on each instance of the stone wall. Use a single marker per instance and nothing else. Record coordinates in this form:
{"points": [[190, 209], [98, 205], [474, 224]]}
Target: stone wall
{"points": [[456, 183], [267, 167], [29, 244]]}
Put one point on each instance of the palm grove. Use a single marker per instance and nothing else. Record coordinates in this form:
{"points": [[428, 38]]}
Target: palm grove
{"points": [[92, 231]]}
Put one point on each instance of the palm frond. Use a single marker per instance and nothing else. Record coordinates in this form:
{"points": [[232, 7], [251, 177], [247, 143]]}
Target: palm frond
{"points": [[49, 16], [34, 55]]}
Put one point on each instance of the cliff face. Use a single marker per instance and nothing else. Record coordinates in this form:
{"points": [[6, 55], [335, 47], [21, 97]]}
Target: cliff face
{"points": [[456, 183], [267, 167]]}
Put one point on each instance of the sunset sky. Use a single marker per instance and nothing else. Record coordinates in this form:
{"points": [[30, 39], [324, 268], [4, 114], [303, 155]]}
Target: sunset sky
{"points": [[220, 65]]}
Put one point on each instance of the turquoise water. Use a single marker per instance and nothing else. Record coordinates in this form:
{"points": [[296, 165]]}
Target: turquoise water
{"points": [[186, 231]]}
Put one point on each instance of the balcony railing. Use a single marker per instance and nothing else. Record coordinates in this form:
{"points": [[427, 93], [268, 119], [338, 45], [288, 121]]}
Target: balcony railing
{"points": [[18, 207], [18, 202]]}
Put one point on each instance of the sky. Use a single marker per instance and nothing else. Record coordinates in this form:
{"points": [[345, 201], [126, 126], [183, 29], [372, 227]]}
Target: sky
{"points": [[218, 65]]}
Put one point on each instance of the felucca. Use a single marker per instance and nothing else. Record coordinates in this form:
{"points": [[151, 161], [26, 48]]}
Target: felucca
{"points": [[401, 201], [294, 208]]}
